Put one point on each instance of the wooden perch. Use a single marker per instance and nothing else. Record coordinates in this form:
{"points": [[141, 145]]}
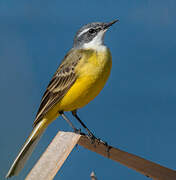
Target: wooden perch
{"points": [[63, 143], [54, 156]]}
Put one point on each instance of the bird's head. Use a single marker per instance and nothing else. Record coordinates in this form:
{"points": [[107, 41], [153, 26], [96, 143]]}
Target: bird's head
{"points": [[91, 35]]}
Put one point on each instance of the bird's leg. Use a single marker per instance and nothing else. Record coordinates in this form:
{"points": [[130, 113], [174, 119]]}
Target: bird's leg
{"points": [[90, 134], [78, 131]]}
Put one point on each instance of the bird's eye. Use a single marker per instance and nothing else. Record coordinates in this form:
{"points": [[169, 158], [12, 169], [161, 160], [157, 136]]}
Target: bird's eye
{"points": [[92, 31]]}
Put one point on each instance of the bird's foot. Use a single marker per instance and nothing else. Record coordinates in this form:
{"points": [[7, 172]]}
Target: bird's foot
{"points": [[78, 131], [107, 146], [91, 137]]}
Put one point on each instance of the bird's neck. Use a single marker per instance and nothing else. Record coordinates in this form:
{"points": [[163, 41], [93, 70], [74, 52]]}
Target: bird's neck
{"points": [[96, 47]]}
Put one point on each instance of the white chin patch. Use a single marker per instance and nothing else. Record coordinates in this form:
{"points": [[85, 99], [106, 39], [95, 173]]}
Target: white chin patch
{"points": [[97, 42]]}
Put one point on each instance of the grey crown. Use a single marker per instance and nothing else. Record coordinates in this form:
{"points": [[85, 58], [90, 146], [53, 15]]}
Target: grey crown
{"points": [[86, 37]]}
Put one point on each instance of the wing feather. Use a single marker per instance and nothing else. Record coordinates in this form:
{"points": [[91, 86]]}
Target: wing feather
{"points": [[61, 82]]}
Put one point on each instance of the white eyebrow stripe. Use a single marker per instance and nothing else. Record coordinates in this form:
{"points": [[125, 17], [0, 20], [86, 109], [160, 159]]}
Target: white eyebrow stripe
{"points": [[85, 30]]}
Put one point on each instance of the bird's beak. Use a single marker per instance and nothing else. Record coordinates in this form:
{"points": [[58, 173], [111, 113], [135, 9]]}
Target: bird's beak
{"points": [[107, 25]]}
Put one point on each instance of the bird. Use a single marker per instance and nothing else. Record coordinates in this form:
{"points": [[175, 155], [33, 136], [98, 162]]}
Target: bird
{"points": [[79, 78]]}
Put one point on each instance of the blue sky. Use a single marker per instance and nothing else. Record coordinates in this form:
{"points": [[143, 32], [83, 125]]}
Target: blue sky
{"points": [[136, 109]]}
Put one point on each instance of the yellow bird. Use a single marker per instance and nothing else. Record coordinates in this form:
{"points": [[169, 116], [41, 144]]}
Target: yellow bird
{"points": [[79, 79]]}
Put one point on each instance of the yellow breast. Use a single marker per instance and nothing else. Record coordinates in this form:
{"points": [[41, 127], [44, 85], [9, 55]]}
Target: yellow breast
{"points": [[93, 71]]}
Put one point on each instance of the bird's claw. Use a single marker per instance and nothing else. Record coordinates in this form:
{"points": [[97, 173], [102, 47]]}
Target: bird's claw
{"points": [[77, 131], [91, 137], [105, 144]]}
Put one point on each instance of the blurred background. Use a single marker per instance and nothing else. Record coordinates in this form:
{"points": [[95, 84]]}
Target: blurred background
{"points": [[136, 109]]}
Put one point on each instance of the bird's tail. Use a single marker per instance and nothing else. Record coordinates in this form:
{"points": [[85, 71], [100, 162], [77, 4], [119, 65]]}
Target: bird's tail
{"points": [[27, 149]]}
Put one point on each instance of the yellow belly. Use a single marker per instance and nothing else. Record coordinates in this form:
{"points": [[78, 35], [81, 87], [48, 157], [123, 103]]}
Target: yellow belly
{"points": [[93, 73]]}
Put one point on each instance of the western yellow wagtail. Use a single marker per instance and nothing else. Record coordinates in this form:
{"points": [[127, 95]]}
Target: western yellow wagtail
{"points": [[79, 79]]}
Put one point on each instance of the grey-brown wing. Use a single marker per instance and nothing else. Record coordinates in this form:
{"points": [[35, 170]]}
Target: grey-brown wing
{"points": [[61, 82]]}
